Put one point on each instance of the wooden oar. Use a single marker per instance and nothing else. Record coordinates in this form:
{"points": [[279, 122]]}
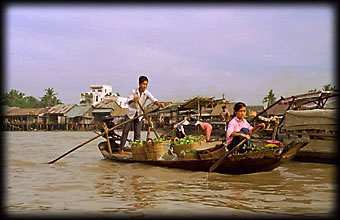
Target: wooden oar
{"points": [[149, 121], [101, 134], [116, 135], [219, 162]]}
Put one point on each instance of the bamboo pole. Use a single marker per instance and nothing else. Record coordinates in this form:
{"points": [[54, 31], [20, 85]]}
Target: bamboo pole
{"points": [[107, 138], [149, 120], [99, 135]]}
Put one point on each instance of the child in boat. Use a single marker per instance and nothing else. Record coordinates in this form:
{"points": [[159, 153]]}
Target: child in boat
{"points": [[206, 127], [239, 128]]}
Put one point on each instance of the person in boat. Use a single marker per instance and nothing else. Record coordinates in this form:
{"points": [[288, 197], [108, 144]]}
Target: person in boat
{"points": [[141, 95], [205, 127], [113, 136], [180, 133], [239, 128], [108, 120], [225, 115]]}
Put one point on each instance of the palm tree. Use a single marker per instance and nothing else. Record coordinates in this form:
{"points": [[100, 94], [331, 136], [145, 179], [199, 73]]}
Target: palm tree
{"points": [[50, 98], [270, 98], [328, 87], [13, 97]]}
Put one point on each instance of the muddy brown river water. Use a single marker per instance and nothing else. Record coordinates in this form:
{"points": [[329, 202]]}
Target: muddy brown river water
{"points": [[83, 183]]}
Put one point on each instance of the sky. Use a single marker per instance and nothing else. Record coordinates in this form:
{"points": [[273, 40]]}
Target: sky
{"points": [[241, 51]]}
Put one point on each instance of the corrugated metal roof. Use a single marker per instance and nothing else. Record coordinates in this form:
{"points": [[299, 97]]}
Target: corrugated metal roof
{"points": [[26, 111], [106, 103], [60, 109], [78, 111], [110, 106]]}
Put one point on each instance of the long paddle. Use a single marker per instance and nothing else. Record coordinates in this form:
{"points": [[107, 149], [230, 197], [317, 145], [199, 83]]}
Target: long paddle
{"points": [[149, 120], [116, 135], [99, 135], [215, 165]]}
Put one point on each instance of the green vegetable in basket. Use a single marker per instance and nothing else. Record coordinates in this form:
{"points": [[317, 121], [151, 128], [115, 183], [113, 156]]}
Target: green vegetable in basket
{"points": [[158, 140], [190, 151]]}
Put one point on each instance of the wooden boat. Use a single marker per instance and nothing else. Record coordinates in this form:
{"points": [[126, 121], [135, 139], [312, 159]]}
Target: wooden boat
{"points": [[249, 162]]}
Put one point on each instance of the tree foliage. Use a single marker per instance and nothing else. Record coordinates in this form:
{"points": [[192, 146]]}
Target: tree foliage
{"points": [[327, 87], [269, 99], [14, 98], [50, 98]]}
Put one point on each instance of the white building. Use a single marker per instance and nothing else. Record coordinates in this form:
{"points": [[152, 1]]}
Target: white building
{"points": [[121, 101], [97, 94]]}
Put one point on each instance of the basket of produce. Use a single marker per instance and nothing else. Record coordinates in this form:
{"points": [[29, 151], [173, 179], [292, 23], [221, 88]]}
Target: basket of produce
{"points": [[212, 153], [276, 142], [156, 148], [190, 154], [138, 150], [188, 142], [202, 140]]}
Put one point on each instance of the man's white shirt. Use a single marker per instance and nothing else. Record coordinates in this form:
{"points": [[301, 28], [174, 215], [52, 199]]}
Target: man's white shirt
{"points": [[134, 107]]}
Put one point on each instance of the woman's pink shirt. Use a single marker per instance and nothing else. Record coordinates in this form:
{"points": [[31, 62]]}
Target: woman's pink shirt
{"points": [[235, 125]]}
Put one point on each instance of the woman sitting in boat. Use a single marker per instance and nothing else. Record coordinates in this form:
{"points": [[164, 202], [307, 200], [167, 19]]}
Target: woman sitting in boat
{"points": [[239, 128]]}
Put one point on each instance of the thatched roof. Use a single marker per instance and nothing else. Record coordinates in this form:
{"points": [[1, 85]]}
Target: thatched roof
{"points": [[279, 109], [193, 103]]}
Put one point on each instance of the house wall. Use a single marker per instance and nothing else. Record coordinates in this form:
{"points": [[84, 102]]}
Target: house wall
{"points": [[99, 92]]}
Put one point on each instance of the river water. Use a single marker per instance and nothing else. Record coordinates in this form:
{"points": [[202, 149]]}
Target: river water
{"points": [[83, 183]]}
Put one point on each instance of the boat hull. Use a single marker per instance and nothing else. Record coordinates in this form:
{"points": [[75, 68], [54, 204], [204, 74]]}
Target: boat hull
{"points": [[250, 162]]}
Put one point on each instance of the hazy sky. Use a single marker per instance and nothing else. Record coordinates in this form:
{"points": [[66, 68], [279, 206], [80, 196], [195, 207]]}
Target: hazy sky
{"points": [[242, 51]]}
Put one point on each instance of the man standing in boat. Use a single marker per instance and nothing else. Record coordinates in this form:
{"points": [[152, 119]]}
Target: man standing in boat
{"points": [[141, 95], [225, 115]]}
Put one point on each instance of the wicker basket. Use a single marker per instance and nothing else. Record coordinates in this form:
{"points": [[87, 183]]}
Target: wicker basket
{"points": [[188, 156], [206, 155], [202, 140], [138, 152], [179, 148], [154, 150]]}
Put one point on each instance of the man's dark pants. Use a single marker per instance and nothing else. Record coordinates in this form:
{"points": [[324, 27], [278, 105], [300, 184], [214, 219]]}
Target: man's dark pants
{"points": [[137, 126]]}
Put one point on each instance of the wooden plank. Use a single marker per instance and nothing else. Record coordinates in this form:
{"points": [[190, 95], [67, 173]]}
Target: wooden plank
{"points": [[311, 133], [319, 146]]}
